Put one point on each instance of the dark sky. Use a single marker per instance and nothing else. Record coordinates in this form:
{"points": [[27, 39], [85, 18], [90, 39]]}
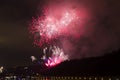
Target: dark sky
{"points": [[15, 45]]}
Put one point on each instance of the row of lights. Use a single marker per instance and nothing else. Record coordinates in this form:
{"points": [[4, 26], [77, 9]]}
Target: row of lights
{"points": [[78, 78]]}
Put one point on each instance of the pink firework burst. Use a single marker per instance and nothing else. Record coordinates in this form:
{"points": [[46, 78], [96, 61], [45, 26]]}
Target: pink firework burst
{"points": [[57, 57], [55, 23]]}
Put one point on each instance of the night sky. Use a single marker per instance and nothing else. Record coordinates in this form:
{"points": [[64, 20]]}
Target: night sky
{"points": [[15, 45], [15, 15]]}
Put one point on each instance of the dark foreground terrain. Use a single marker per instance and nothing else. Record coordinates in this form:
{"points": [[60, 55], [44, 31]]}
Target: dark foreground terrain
{"points": [[104, 67], [107, 65]]}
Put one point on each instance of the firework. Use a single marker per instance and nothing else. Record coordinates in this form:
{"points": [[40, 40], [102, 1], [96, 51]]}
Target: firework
{"points": [[57, 57], [65, 21], [53, 25]]}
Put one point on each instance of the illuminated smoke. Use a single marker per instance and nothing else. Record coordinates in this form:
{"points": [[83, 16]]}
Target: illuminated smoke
{"points": [[33, 58]]}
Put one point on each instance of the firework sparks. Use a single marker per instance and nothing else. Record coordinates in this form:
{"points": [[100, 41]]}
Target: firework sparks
{"points": [[57, 57], [51, 26]]}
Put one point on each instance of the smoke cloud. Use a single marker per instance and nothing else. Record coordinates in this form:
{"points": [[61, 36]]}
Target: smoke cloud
{"points": [[96, 33], [101, 31]]}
